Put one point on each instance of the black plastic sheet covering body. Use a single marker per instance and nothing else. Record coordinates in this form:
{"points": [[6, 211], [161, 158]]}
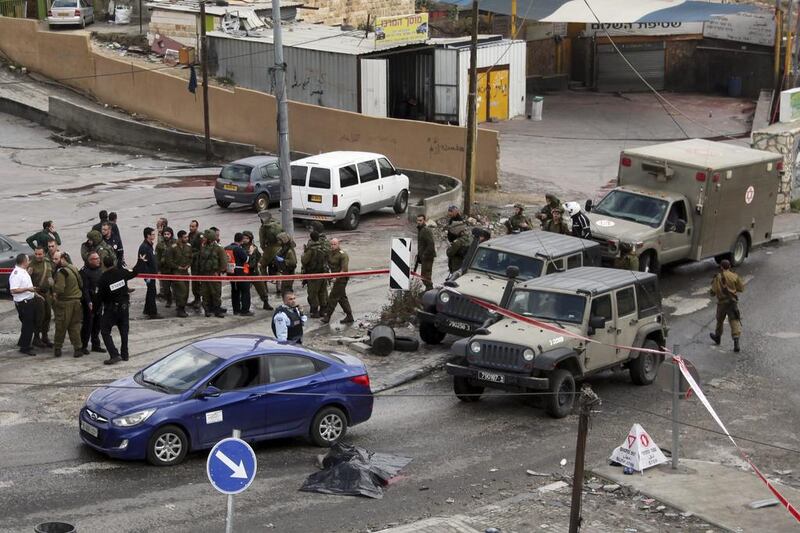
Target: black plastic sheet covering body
{"points": [[354, 471]]}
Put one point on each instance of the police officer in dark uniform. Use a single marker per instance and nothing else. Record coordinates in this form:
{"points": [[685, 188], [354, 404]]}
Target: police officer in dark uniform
{"points": [[112, 289], [288, 320]]}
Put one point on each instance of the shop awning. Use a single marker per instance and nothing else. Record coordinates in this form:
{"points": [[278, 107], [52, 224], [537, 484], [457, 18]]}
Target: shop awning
{"points": [[611, 11]]}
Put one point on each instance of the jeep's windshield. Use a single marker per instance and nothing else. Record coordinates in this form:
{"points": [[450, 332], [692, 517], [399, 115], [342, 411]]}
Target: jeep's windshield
{"points": [[496, 262], [545, 305], [634, 207]]}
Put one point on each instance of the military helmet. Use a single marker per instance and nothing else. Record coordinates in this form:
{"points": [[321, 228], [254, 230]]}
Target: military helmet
{"points": [[458, 228], [265, 215], [519, 206], [316, 225], [283, 237], [210, 235], [94, 236]]}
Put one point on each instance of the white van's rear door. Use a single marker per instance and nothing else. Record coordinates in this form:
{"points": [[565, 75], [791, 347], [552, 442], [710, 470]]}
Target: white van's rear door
{"points": [[299, 179], [318, 193]]}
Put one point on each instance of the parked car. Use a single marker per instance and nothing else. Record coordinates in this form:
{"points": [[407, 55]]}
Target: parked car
{"points": [[533, 253], [612, 307], [195, 396], [252, 181], [9, 250], [70, 12], [342, 186]]}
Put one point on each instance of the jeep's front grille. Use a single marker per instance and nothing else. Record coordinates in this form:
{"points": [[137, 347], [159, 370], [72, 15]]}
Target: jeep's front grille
{"points": [[461, 307], [500, 355]]}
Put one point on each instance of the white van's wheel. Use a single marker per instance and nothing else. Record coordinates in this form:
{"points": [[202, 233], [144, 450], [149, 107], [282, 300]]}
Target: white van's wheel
{"points": [[352, 218], [401, 202]]}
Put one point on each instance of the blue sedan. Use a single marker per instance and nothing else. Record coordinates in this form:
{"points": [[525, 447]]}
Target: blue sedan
{"points": [[195, 396]]}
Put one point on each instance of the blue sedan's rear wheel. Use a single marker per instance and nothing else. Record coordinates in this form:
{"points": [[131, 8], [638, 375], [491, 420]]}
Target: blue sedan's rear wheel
{"points": [[168, 446], [328, 427]]}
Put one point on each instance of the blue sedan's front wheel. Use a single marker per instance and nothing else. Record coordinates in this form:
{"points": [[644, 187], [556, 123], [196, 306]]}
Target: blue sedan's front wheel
{"points": [[328, 427], [168, 446]]}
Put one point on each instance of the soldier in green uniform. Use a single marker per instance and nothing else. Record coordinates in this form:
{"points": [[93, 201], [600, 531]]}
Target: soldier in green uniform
{"points": [[195, 237], [40, 238], [546, 212], [165, 242], [557, 224], [315, 261], [339, 261], [519, 222], [41, 271], [627, 259], [726, 286], [212, 261], [95, 243], [426, 251], [253, 261], [268, 240], [457, 251], [178, 260], [67, 292], [286, 260]]}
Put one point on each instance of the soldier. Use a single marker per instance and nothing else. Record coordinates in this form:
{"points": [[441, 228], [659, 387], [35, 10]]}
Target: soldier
{"points": [[212, 261], [627, 259], [339, 261], [315, 261], [519, 222], [546, 212], [557, 224], [165, 242], [40, 238], [457, 251], [268, 240], [161, 225], [94, 243], [726, 286], [581, 225], [453, 219], [91, 306], [286, 260], [426, 251], [178, 259], [195, 238], [67, 293], [254, 261], [52, 248], [41, 272]]}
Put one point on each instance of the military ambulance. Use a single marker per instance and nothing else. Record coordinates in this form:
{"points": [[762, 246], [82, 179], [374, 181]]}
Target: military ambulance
{"points": [[688, 200]]}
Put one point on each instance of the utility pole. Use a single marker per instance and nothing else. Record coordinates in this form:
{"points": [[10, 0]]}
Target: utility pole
{"points": [[778, 41], [204, 63], [283, 121], [676, 400], [787, 66], [588, 399], [472, 125], [513, 19]]}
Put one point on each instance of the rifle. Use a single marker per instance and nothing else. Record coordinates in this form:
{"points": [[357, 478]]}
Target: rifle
{"points": [[417, 263]]}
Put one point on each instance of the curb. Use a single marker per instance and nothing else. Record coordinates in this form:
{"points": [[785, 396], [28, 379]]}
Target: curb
{"points": [[414, 373], [787, 236], [702, 516]]}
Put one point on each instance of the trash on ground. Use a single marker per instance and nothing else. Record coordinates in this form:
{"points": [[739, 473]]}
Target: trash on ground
{"points": [[354, 471], [760, 504]]}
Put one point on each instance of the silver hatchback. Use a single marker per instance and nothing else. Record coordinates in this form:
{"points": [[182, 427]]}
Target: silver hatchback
{"points": [[70, 12]]}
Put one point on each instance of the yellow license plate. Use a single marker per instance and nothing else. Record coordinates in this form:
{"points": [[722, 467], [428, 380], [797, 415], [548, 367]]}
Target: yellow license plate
{"points": [[315, 198], [230, 187], [64, 14]]}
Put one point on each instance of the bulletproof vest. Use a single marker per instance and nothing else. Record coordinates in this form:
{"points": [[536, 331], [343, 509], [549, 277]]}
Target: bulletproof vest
{"points": [[295, 332], [318, 260], [270, 232]]}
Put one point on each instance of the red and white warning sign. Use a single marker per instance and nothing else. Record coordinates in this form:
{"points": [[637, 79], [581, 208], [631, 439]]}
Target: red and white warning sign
{"points": [[749, 194], [638, 451]]}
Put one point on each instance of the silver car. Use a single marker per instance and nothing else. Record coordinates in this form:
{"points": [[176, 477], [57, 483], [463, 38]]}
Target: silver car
{"points": [[70, 12], [9, 249]]}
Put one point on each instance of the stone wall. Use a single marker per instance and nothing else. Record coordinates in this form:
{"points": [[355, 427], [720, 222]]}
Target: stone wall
{"points": [[784, 139], [353, 12]]}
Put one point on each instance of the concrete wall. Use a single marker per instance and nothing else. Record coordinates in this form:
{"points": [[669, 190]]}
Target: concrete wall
{"points": [[440, 193], [241, 115], [352, 12], [783, 138]]}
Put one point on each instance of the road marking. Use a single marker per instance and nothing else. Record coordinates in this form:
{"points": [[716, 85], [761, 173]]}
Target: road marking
{"points": [[85, 467]]}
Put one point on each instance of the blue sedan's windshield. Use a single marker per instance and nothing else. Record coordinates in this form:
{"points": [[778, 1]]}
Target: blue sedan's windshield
{"points": [[180, 370]]}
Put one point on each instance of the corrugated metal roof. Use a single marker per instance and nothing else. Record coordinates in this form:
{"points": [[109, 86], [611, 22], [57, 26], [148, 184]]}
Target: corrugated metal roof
{"points": [[703, 153], [193, 6], [322, 38], [592, 279]]}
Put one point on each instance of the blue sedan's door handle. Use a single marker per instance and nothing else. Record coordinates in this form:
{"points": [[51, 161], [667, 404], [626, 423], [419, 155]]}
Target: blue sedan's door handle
{"points": [[255, 396]]}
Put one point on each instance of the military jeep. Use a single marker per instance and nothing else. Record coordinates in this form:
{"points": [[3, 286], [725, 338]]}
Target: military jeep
{"points": [[449, 309], [612, 307]]}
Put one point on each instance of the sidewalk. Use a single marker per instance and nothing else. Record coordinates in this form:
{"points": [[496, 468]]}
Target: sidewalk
{"points": [[715, 493]]}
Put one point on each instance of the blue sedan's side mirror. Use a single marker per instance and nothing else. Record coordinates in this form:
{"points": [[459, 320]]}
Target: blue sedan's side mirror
{"points": [[209, 392]]}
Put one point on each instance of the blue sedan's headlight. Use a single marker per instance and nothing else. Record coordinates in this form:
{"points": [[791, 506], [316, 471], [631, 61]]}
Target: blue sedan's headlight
{"points": [[133, 419]]}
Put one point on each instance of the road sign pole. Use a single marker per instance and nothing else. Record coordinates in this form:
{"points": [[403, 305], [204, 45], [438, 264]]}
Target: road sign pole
{"points": [[676, 391], [229, 519]]}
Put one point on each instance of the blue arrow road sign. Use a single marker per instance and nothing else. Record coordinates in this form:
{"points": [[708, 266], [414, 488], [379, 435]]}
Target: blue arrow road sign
{"points": [[231, 466]]}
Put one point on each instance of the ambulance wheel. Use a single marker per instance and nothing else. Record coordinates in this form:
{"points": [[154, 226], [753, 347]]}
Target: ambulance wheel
{"points": [[648, 262], [740, 249]]}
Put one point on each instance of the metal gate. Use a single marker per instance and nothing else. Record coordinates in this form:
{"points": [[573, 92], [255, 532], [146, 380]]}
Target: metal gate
{"points": [[374, 90], [614, 75], [445, 85]]}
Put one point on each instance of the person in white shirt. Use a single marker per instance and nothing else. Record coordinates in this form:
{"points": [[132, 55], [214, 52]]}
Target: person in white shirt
{"points": [[288, 320], [23, 293]]}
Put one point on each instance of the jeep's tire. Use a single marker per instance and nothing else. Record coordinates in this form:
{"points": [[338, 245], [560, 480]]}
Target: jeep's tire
{"points": [[648, 262], [406, 344], [562, 398], [739, 251], [430, 334], [466, 391], [644, 368], [401, 202], [223, 204], [351, 218]]}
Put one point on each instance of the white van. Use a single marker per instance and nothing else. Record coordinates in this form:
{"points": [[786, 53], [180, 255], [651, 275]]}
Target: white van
{"points": [[342, 186]]}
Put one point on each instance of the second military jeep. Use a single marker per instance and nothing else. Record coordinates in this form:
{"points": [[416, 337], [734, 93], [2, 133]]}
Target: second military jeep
{"points": [[612, 307]]}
